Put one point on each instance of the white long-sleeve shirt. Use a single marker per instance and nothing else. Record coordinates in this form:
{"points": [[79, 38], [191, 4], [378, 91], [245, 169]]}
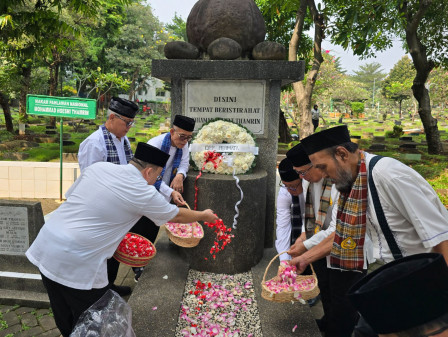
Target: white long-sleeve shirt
{"points": [[416, 216], [283, 230], [165, 188], [284, 202], [93, 149]]}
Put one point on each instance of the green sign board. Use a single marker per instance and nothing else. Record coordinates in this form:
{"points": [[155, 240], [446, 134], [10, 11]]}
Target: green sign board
{"points": [[67, 107]]}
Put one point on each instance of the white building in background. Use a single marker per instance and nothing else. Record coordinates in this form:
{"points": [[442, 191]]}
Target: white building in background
{"points": [[153, 91]]}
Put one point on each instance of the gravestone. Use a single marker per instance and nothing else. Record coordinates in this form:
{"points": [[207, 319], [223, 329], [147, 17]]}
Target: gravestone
{"points": [[397, 122], [377, 147], [406, 139], [379, 139], [131, 139], [20, 222], [408, 147], [245, 92]]}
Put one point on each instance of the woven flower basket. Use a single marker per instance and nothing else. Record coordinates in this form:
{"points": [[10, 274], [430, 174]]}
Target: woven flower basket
{"points": [[186, 242], [134, 261], [288, 296]]}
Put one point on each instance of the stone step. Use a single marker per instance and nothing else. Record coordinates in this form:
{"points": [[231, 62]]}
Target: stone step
{"points": [[22, 283], [30, 299]]}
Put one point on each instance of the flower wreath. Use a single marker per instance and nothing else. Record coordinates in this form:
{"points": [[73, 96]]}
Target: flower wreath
{"points": [[219, 132]]}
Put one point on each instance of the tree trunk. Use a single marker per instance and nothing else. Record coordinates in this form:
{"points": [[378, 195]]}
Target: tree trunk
{"points": [[304, 92], [7, 112], [25, 82], [283, 129], [132, 86], [423, 68], [399, 108]]}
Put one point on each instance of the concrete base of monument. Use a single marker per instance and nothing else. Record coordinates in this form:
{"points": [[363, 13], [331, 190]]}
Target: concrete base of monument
{"points": [[220, 193]]}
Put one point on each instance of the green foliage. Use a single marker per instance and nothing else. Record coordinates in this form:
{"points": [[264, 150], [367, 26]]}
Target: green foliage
{"points": [[396, 133], [178, 28], [437, 85], [397, 85], [357, 108], [280, 18]]}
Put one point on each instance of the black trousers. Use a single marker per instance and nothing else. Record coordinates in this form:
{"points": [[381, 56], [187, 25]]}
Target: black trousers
{"points": [[144, 227], [323, 277], [69, 303], [315, 123], [342, 316]]}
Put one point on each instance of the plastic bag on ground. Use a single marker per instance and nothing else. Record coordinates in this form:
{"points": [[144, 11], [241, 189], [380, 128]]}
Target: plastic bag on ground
{"points": [[110, 316]]}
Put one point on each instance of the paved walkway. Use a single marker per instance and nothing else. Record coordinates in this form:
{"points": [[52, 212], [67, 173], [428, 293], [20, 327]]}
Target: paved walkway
{"points": [[23, 321]]}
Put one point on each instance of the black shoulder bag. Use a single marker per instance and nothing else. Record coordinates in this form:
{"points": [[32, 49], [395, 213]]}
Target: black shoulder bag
{"points": [[396, 252]]}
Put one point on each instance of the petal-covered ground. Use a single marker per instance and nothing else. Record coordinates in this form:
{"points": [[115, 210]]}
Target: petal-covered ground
{"points": [[219, 305]]}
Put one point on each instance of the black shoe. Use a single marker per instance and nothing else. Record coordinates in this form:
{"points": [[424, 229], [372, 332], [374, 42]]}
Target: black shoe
{"points": [[138, 272], [121, 290]]}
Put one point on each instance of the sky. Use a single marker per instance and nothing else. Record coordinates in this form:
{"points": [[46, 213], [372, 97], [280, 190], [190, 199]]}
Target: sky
{"points": [[165, 10]]}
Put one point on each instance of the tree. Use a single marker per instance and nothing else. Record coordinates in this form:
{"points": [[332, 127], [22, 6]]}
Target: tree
{"points": [[284, 15], [369, 26], [141, 40], [178, 27], [438, 86], [328, 80], [370, 76], [397, 85]]}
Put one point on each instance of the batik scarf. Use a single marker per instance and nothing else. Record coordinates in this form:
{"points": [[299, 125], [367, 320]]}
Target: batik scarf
{"points": [[112, 154], [296, 219], [166, 145], [313, 224], [347, 252]]}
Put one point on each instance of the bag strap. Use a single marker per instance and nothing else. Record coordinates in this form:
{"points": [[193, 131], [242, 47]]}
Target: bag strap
{"points": [[393, 246]]}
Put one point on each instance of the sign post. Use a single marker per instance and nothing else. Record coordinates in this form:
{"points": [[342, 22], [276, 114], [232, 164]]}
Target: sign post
{"points": [[69, 107]]}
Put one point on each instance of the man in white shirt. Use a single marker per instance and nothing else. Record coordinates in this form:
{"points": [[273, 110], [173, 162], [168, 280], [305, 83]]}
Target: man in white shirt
{"points": [[315, 116], [109, 143], [320, 221], [175, 143], [417, 222], [72, 248], [290, 209]]}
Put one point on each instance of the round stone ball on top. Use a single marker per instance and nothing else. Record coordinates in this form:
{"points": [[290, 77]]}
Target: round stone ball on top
{"points": [[224, 49], [239, 20], [181, 50], [269, 50]]}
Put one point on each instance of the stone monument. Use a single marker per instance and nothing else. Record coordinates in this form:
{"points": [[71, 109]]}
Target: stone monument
{"points": [[228, 71], [20, 282]]}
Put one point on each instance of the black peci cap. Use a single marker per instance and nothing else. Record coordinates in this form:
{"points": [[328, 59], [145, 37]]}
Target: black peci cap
{"points": [[323, 140], [403, 294], [151, 154], [286, 171], [184, 122], [123, 107], [298, 156]]}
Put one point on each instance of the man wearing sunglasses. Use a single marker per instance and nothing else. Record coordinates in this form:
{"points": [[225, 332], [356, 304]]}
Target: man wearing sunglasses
{"points": [[109, 143]]}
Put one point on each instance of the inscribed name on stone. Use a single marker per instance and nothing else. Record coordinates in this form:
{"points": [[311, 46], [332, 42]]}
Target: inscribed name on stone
{"points": [[14, 237], [240, 101]]}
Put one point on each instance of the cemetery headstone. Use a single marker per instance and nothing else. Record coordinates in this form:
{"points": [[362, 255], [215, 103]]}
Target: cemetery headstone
{"points": [[377, 147], [20, 222]]}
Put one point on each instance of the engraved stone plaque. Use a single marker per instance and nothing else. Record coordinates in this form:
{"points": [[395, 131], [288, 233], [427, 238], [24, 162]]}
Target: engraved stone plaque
{"points": [[14, 236], [240, 101]]}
